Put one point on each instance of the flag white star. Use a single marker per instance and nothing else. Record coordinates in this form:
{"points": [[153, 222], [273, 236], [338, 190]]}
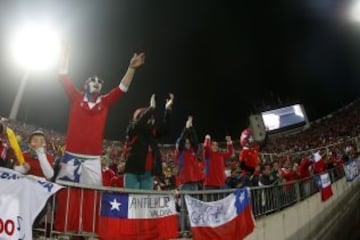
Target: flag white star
{"points": [[115, 205], [242, 197], [69, 170]]}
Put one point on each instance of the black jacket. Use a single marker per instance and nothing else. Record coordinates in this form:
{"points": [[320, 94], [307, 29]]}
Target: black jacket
{"points": [[141, 135], [189, 133]]}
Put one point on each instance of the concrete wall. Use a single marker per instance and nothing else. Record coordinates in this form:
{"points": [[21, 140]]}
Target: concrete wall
{"points": [[312, 218]]}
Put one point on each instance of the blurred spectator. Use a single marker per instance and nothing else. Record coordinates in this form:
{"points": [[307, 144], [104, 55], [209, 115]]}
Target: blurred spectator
{"points": [[107, 173], [275, 174], [254, 179], [118, 179], [37, 161], [189, 170], [233, 181], [266, 178], [303, 169], [249, 154]]}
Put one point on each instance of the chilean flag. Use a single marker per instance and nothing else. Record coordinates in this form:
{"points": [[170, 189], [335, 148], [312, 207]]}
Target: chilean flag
{"points": [[137, 217], [226, 219], [325, 186]]}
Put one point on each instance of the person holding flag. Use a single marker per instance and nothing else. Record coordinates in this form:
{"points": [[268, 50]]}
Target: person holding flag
{"points": [[84, 138], [7, 157], [318, 163], [37, 161]]}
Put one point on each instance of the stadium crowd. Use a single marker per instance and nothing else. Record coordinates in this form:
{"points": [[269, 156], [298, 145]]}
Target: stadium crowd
{"points": [[283, 159]]}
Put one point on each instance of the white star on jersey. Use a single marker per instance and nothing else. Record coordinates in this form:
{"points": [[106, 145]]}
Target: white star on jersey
{"points": [[70, 170]]}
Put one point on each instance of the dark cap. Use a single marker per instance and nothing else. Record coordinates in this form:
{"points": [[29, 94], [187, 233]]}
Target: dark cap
{"points": [[36, 133]]}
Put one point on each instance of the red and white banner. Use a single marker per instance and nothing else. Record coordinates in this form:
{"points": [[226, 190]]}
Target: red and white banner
{"points": [[224, 219], [324, 183], [138, 216]]}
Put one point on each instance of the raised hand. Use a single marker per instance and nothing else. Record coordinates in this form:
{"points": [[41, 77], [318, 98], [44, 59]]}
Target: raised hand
{"points": [[153, 101], [137, 60], [169, 101], [228, 138], [189, 122], [26, 167], [64, 58]]}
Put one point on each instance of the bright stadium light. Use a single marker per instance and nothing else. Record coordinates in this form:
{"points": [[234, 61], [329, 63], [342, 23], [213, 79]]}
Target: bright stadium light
{"points": [[355, 12], [36, 47]]}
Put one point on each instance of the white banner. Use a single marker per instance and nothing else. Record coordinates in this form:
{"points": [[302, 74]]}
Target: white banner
{"points": [[21, 200], [351, 169], [151, 206]]}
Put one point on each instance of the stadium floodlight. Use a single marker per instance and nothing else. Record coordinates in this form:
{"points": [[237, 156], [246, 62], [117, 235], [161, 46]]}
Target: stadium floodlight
{"points": [[36, 47], [354, 12]]}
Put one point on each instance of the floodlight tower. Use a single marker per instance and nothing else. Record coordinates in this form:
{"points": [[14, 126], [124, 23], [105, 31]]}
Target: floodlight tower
{"points": [[34, 48]]}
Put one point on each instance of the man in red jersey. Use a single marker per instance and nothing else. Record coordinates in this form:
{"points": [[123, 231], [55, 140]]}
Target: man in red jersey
{"points": [[215, 162], [84, 141], [88, 112]]}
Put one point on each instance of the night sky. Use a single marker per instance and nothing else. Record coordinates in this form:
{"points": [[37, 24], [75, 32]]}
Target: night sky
{"points": [[222, 59]]}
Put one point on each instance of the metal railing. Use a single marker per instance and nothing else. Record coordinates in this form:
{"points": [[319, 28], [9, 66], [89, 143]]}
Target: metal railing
{"points": [[265, 200]]}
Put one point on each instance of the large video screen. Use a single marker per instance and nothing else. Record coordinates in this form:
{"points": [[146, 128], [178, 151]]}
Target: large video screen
{"points": [[285, 117]]}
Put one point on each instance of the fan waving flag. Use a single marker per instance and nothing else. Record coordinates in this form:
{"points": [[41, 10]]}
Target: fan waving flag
{"points": [[319, 163], [226, 219], [137, 216], [21, 200], [325, 186]]}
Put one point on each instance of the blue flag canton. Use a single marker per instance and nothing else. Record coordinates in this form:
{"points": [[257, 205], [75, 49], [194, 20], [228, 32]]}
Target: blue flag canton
{"points": [[318, 181], [114, 205], [242, 199]]}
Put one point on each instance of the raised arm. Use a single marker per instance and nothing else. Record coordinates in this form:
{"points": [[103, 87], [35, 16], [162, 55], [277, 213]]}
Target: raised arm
{"points": [[136, 61], [165, 124], [207, 143], [230, 148], [71, 91], [192, 134], [181, 140], [187, 133], [143, 115]]}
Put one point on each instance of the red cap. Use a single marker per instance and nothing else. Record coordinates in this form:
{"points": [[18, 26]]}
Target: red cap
{"points": [[246, 136]]}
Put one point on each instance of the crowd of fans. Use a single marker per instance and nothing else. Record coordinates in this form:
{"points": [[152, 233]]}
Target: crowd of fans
{"points": [[333, 128], [287, 158]]}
